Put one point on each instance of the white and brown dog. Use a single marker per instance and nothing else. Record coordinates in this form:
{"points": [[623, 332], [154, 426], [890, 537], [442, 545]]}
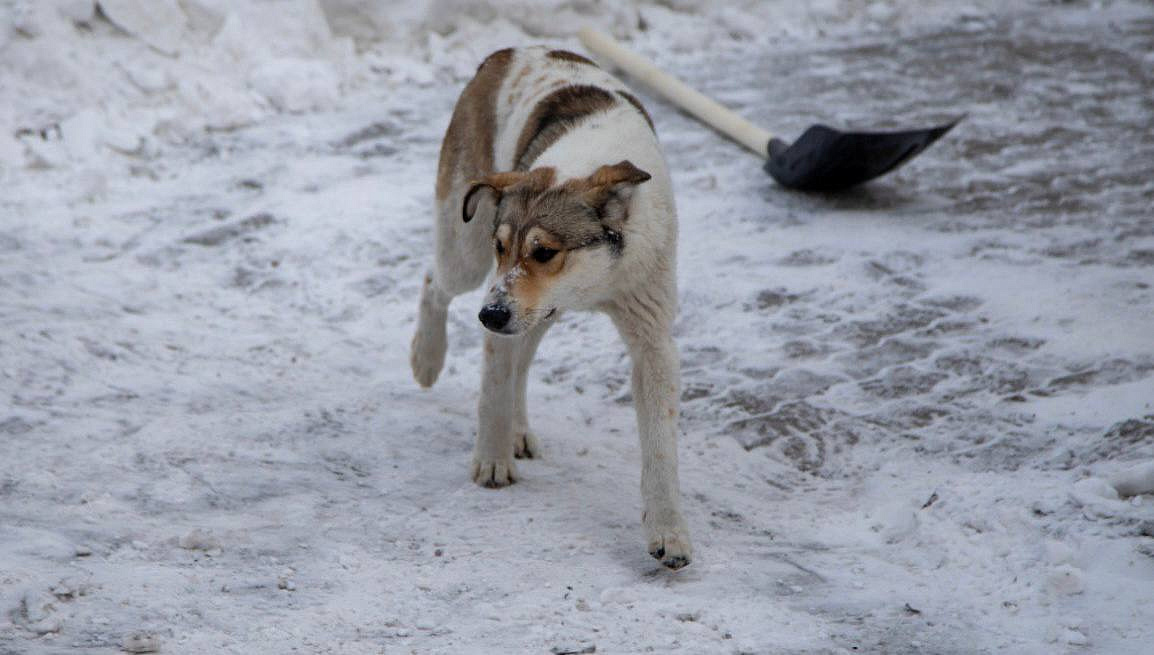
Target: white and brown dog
{"points": [[552, 168]]}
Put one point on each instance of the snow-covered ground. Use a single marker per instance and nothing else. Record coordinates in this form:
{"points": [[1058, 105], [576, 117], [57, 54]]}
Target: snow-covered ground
{"points": [[918, 417]]}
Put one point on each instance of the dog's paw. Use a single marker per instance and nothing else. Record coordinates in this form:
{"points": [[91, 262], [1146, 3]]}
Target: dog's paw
{"points": [[494, 473], [525, 446], [668, 540]]}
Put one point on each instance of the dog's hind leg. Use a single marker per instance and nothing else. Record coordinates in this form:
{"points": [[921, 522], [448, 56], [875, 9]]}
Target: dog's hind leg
{"points": [[463, 259], [427, 354], [525, 445]]}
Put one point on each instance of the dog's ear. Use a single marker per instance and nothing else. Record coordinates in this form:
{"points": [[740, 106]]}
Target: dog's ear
{"points": [[494, 185], [473, 198], [498, 184], [609, 189]]}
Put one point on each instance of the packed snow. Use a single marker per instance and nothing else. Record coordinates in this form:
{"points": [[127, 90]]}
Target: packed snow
{"points": [[917, 416]]}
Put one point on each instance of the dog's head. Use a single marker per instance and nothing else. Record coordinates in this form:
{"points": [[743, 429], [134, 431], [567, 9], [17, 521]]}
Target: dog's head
{"points": [[554, 242]]}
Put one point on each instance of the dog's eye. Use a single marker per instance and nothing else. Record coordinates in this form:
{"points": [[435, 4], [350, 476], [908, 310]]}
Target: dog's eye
{"points": [[543, 254], [500, 248]]}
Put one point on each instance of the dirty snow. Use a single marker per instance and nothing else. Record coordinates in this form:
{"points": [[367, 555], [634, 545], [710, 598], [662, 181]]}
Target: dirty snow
{"points": [[917, 416]]}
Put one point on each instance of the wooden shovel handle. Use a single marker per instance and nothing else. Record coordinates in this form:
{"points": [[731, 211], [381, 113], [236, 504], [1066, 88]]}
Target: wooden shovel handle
{"points": [[705, 109]]}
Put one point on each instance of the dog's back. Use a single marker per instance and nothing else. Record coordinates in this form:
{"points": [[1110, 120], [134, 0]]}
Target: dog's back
{"points": [[521, 105]]}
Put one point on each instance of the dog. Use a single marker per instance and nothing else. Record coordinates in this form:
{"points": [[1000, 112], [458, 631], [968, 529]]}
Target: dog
{"points": [[550, 173]]}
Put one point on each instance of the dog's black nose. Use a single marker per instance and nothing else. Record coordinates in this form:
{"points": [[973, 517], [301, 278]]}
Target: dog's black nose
{"points": [[494, 317]]}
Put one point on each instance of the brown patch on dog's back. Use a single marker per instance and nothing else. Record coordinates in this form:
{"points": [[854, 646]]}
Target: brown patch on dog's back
{"points": [[555, 115], [640, 107], [565, 55], [468, 143], [502, 56]]}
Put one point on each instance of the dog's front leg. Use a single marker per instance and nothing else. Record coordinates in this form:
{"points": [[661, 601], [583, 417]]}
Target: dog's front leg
{"points": [[656, 394], [525, 445], [493, 452]]}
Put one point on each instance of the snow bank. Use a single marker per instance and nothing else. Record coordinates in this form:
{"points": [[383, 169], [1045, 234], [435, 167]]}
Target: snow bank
{"points": [[128, 76], [137, 73]]}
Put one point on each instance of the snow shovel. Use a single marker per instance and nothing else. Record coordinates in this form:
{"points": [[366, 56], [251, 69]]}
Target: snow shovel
{"points": [[823, 159]]}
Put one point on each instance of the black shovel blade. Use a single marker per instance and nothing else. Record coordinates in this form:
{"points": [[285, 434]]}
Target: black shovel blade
{"points": [[824, 159]]}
